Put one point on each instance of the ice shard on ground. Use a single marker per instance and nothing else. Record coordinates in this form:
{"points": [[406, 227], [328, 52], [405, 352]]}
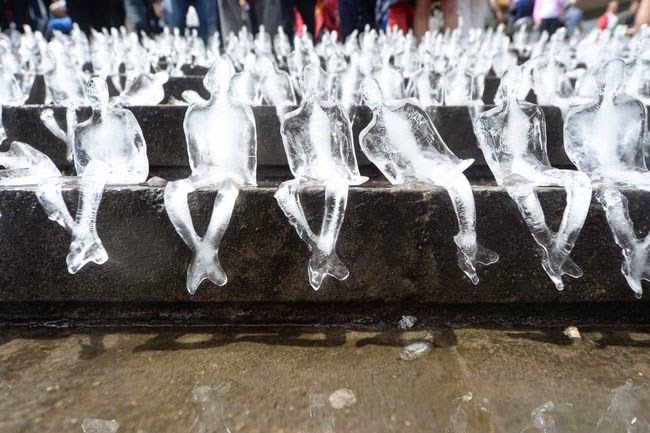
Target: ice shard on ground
{"points": [[512, 137], [109, 148], [222, 150], [318, 142], [403, 143], [606, 140]]}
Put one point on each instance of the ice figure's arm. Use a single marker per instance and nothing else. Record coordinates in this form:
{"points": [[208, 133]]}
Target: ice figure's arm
{"points": [[249, 141], [539, 132], [50, 196], [343, 136], [192, 97], [47, 117], [372, 141]]}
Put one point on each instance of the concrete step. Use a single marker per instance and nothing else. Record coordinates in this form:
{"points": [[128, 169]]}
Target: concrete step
{"points": [[163, 130], [397, 244]]}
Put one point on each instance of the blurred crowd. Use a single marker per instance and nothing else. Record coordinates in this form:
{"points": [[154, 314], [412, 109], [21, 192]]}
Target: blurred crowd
{"points": [[343, 16]]}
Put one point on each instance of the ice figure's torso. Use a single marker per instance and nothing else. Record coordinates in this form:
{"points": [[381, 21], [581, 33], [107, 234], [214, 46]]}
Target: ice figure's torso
{"points": [[607, 137], [403, 143], [318, 142], [515, 136], [114, 138], [428, 88], [221, 141]]}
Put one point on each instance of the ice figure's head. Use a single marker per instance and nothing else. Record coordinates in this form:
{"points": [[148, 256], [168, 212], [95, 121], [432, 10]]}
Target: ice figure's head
{"points": [[97, 92], [309, 80], [511, 81], [610, 77], [218, 78], [249, 61], [371, 92]]}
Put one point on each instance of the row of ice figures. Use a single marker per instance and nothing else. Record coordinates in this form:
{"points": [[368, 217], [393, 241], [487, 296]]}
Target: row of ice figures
{"points": [[605, 139], [445, 68]]}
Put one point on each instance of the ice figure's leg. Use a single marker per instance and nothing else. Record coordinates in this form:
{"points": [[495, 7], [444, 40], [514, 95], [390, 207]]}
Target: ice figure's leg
{"points": [[635, 267], [86, 246], [470, 253], [289, 201], [578, 198], [48, 120], [205, 261], [524, 195], [324, 260]]}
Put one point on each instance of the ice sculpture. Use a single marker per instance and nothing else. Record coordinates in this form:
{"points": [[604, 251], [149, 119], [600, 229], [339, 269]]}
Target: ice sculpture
{"points": [[606, 140], [222, 150], [627, 411], [212, 400], [318, 142], [276, 87], [94, 425], [548, 417], [426, 85], [144, 89], [24, 165], [108, 148], [512, 137], [245, 85], [403, 143]]}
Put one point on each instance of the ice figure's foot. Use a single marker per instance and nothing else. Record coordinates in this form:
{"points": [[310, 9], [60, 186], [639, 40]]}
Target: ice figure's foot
{"points": [[84, 249], [321, 265], [205, 266], [635, 267], [557, 263], [470, 254]]}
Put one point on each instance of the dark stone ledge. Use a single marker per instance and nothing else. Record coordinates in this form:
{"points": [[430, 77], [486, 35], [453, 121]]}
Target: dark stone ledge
{"points": [[163, 131], [397, 244]]}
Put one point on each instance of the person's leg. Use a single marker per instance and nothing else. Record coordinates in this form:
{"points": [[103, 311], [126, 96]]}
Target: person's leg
{"points": [[449, 10], [230, 17], [209, 19], [288, 17], [136, 15], [348, 14], [421, 18], [175, 12], [307, 9]]}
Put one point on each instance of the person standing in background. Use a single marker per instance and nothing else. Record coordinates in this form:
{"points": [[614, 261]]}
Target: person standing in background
{"points": [[175, 11], [137, 15], [501, 9], [473, 13], [547, 15], [609, 19], [573, 17], [307, 11], [269, 13], [642, 16], [355, 15], [631, 13]]}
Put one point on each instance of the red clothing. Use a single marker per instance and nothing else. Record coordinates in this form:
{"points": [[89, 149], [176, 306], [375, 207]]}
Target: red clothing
{"points": [[603, 21], [401, 14], [327, 15]]}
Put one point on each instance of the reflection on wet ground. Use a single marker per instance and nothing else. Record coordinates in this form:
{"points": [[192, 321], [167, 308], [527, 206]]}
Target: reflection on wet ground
{"points": [[325, 380]]}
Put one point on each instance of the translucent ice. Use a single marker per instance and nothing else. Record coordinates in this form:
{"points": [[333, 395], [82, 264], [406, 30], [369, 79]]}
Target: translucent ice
{"points": [[415, 350], [220, 156], [276, 86], [426, 85], [547, 418], [606, 140], [318, 142], [24, 165], [627, 411], [512, 137], [94, 425], [108, 148], [403, 143], [245, 85], [212, 418], [144, 89]]}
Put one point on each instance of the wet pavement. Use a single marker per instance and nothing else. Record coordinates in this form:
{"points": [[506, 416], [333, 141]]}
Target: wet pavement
{"points": [[325, 380]]}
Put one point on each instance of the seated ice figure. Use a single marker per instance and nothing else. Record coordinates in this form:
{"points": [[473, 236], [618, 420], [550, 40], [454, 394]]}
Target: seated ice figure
{"points": [[144, 88], [222, 150], [606, 140], [403, 143], [245, 86], [318, 142], [109, 148], [512, 137], [426, 84], [276, 87], [24, 165]]}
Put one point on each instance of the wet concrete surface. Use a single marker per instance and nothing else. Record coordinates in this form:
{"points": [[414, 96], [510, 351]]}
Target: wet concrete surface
{"points": [[315, 380]]}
